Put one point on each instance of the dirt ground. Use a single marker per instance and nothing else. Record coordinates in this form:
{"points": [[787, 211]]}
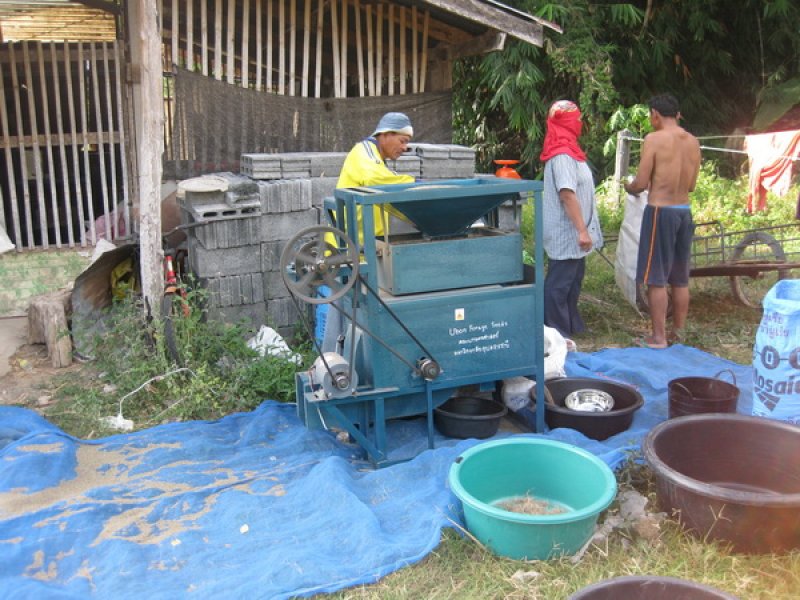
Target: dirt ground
{"points": [[32, 381]]}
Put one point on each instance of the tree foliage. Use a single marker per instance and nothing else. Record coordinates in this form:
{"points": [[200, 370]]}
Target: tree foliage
{"points": [[718, 57]]}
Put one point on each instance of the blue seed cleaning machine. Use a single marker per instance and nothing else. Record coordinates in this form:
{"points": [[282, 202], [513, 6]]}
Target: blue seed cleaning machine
{"points": [[425, 313]]}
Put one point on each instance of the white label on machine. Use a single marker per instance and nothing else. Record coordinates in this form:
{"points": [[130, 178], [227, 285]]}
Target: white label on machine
{"points": [[459, 316]]}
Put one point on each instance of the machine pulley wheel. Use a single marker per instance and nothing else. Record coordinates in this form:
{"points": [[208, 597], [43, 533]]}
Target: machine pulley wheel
{"points": [[319, 256]]}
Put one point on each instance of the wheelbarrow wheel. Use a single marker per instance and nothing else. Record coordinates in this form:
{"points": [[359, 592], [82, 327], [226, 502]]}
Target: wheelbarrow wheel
{"points": [[757, 246]]}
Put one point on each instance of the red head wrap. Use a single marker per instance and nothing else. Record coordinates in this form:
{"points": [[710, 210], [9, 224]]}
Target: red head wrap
{"points": [[563, 131]]}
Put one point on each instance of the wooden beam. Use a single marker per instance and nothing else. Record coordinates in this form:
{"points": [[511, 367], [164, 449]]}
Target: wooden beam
{"points": [[490, 41], [521, 26]]}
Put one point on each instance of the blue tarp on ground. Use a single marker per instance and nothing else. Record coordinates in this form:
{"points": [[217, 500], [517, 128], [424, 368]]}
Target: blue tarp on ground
{"points": [[253, 505]]}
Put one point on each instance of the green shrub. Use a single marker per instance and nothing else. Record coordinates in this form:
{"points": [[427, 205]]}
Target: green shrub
{"points": [[218, 375]]}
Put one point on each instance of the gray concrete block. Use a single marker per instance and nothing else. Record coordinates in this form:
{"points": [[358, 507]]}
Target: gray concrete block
{"points": [[229, 233], [235, 290], [271, 255], [321, 188], [223, 261], [461, 152], [274, 287], [327, 164], [429, 150], [260, 166], [407, 164], [282, 312], [303, 198], [283, 226]]}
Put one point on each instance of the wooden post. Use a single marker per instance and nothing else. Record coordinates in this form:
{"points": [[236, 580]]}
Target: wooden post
{"points": [[245, 26], [306, 47], [379, 50], [360, 51], [424, 60], [259, 44], [320, 38], [403, 72], [230, 34], [145, 37], [218, 40]]}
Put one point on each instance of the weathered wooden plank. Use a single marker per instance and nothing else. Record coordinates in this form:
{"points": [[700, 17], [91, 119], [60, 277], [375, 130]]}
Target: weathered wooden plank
{"points": [[23, 141], [370, 51], [87, 168], [379, 50], [37, 151], [45, 105], [23, 164], [281, 45], [204, 37], [112, 147], [292, 46], [320, 34], [403, 70], [245, 26], [270, 41], [9, 163], [73, 144], [359, 50], [390, 24], [190, 63], [259, 44], [218, 40], [414, 51], [119, 135], [522, 26], [230, 34], [335, 50], [424, 59], [107, 205], [175, 31], [343, 61], [306, 47]]}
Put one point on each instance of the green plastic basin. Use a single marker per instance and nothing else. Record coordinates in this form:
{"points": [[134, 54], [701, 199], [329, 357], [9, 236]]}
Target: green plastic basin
{"points": [[556, 473]]}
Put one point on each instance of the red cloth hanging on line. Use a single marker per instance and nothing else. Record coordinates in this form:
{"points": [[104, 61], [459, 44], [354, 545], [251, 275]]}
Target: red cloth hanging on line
{"points": [[771, 163]]}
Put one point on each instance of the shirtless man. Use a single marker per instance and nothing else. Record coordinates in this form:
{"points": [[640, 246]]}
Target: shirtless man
{"points": [[668, 169]]}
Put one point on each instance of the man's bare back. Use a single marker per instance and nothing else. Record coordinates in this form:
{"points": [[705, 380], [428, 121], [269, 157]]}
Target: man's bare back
{"points": [[669, 164]]}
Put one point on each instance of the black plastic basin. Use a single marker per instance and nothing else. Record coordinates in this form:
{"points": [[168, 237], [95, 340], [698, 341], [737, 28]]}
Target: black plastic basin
{"points": [[649, 588], [595, 425], [730, 478], [469, 417]]}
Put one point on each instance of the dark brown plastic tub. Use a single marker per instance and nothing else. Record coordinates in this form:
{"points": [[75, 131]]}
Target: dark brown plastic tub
{"points": [[730, 478], [595, 425], [649, 588], [469, 417], [699, 395]]}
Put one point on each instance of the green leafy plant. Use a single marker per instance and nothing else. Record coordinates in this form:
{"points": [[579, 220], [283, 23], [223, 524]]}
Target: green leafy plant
{"points": [[134, 375]]}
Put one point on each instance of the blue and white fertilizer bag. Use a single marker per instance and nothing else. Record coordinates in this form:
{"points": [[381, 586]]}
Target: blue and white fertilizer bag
{"points": [[776, 355]]}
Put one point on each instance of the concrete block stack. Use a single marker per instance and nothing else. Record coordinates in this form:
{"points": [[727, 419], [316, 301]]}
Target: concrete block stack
{"points": [[242, 222], [444, 161], [407, 164]]}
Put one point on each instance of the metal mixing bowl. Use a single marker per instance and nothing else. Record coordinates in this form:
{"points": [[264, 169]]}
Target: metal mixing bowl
{"points": [[589, 400]]}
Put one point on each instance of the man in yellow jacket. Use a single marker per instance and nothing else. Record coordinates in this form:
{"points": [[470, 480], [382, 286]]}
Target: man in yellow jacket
{"points": [[365, 164]]}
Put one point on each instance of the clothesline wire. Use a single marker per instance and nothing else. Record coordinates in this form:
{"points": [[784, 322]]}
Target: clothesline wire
{"points": [[714, 149]]}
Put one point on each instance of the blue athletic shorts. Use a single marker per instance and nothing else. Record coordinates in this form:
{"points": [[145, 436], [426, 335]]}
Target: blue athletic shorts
{"points": [[665, 246]]}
